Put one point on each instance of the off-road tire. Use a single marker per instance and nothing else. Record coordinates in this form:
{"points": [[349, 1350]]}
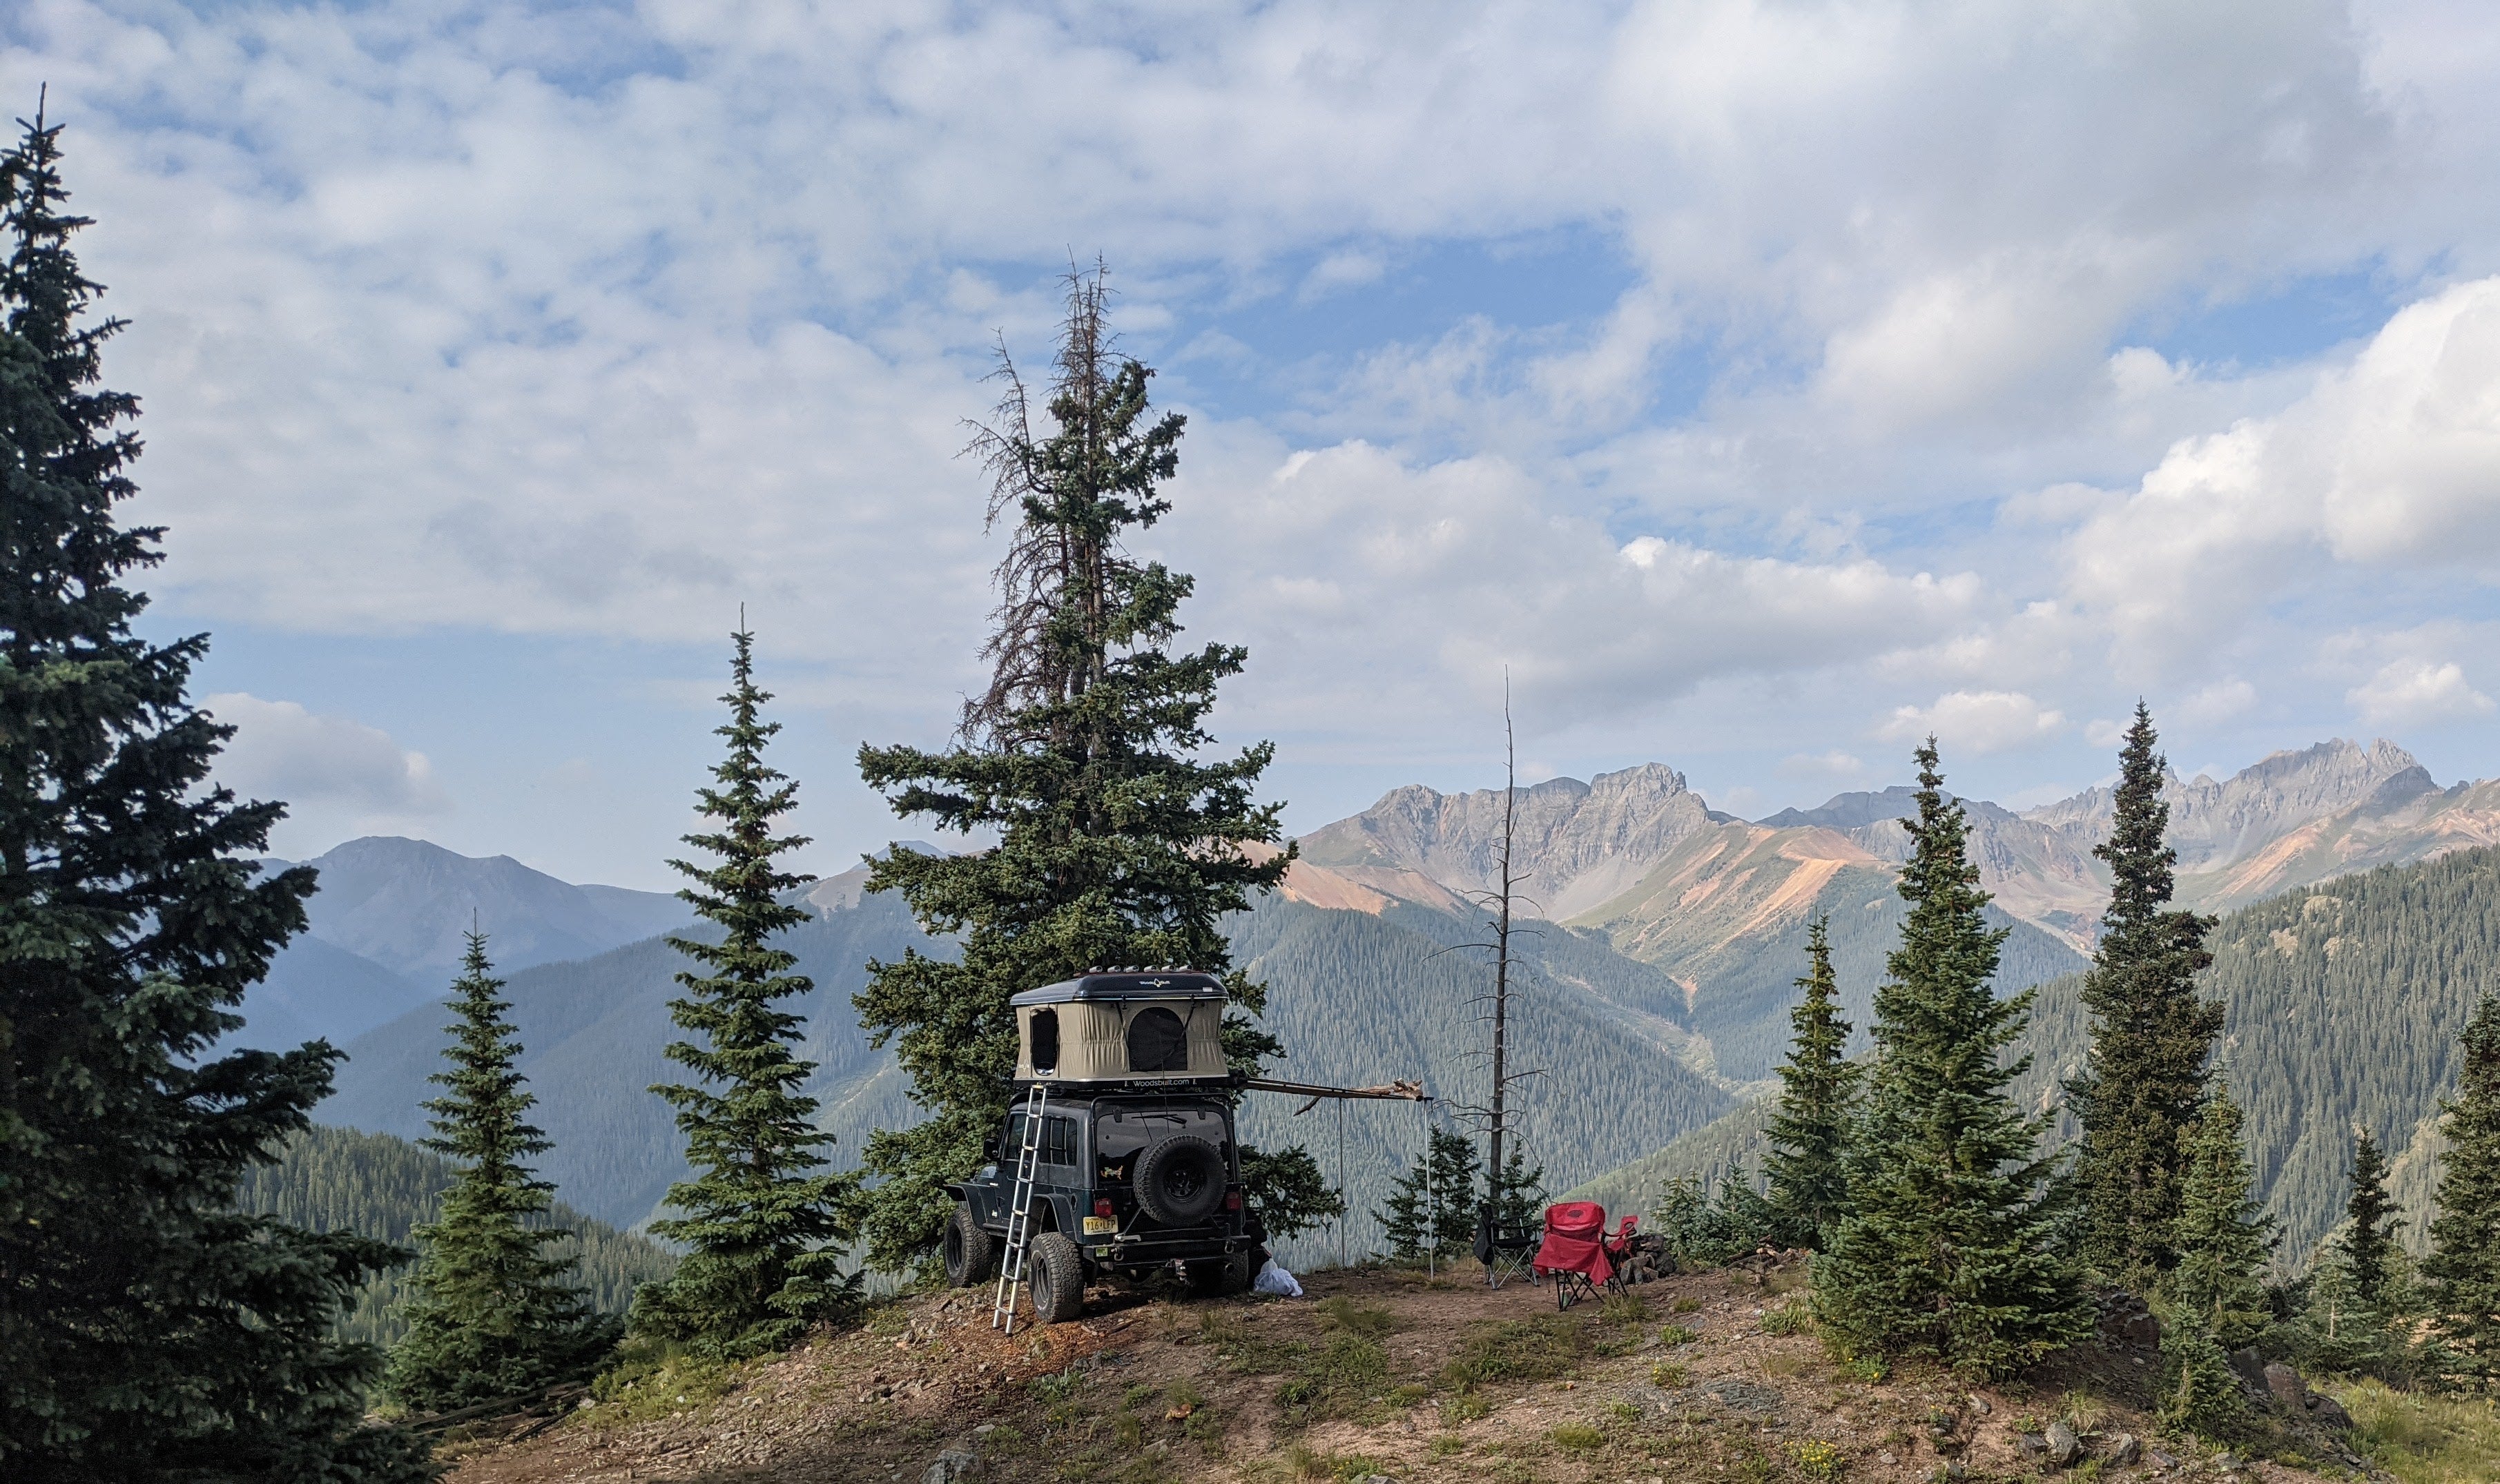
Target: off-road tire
{"points": [[1221, 1277], [971, 1254], [1055, 1273], [1180, 1181]]}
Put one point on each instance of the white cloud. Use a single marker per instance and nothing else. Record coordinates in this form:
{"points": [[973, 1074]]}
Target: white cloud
{"points": [[281, 751], [2417, 692], [2104, 732], [2220, 702], [1833, 765], [2391, 463], [1976, 720]]}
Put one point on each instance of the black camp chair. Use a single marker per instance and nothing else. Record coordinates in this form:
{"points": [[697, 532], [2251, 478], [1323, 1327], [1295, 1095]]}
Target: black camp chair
{"points": [[1506, 1249]]}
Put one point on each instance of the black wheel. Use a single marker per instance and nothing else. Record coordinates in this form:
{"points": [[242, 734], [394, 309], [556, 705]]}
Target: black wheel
{"points": [[971, 1256], [1220, 1277], [1055, 1273], [1180, 1181]]}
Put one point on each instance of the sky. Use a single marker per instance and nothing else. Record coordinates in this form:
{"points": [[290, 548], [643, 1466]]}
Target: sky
{"points": [[1759, 387]]}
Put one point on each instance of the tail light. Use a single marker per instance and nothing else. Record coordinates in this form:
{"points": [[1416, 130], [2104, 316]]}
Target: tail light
{"points": [[1233, 1200], [1103, 1205]]}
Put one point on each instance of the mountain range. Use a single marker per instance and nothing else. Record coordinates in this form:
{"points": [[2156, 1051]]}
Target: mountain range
{"points": [[1658, 962]]}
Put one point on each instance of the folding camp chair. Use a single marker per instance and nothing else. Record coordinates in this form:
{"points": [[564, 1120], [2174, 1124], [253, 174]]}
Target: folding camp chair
{"points": [[1574, 1252], [1506, 1249]]}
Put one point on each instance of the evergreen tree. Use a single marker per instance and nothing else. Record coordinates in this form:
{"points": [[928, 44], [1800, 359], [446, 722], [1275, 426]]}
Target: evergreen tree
{"points": [[2139, 1091], [2369, 1242], [147, 1331], [1519, 1195], [1433, 1203], [1947, 1249], [1808, 1158], [761, 1225], [1116, 844], [2463, 1267], [2222, 1236], [2200, 1393], [490, 1313]]}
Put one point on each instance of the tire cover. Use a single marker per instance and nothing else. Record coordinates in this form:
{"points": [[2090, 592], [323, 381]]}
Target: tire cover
{"points": [[1180, 1181]]}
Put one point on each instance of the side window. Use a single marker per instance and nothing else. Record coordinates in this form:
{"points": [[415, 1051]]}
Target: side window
{"points": [[1059, 1141], [1013, 1146]]}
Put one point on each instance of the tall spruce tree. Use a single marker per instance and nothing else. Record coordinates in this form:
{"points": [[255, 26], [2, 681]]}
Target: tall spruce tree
{"points": [[1948, 1249], [2463, 1267], [2141, 1090], [1116, 843], [1809, 1136], [147, 1331], [491, 1313], [2222, 1236], [1433, 1207], [2369, 1240], [762, 1225]]}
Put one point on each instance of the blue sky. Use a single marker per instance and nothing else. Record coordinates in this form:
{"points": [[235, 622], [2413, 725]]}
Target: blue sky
{"points": [[1760, 385]]}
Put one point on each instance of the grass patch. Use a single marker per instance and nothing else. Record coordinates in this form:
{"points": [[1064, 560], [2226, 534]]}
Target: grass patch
{"points": [[1467, 1406], [1784, 1365], [1515, 1350], [2422, 1438], [1343, 1313], [1623, 1308], [1667, 1376], [1819, 1460], [1672, 1335], [650, 1380], [1342, 1378], [1344, 1467], [1578, 1438], [1687, 1305], [1791, 1318], [2084, 1409], [1869, 1369]]}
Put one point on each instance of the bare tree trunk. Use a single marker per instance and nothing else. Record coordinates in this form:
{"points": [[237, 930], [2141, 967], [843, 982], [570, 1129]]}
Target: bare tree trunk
{"points": [[1501, 951]]}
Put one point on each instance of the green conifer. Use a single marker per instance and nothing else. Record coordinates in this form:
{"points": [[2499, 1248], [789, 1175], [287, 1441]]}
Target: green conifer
{"points": [[490, 1313], [2369, 1241], [1808, 1160], [2463, 1267], [1948, 1249], [1519, 1196], [1433, 1203], [2200, 1393], [149, 1332], [762, 1226], [1116, 844], [2222, 1236], [2140, 1092]]}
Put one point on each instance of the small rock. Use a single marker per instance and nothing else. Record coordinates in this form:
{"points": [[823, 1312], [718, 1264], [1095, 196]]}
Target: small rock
{"points": [[1979, 1404], [2031, 1445], [952, 1464], [2161, 1460], [1886, 1457], [2064, 1447], [2229, 1463], [2125, 1449], [985, 1430]]}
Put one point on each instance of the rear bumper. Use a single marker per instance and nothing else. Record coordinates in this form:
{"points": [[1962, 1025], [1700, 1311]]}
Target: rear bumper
{"points": [[1188, 1244]]}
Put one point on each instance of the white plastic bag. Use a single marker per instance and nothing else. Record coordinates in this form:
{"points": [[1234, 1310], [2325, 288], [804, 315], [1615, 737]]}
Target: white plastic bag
{"points": [[1276, 1280]]}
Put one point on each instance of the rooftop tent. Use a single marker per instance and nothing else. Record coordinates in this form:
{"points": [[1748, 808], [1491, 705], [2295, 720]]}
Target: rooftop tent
{"points": [[1122, 1026]]}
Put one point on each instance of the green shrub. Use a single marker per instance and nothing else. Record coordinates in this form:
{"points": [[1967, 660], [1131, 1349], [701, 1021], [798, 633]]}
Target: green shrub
{"points": [[1672, 1335], [1578, 1437], [1788, 1319]]}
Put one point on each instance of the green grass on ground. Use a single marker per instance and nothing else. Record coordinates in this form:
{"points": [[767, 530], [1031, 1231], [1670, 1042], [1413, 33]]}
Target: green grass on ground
{"points": [[2424, 1438]]}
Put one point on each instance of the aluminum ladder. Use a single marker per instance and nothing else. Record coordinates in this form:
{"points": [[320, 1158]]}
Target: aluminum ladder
{"points": [[1020, 1213]]}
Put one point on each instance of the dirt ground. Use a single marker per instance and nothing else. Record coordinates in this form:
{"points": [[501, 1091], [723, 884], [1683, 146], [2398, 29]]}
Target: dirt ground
{"points": [[1375, 1373]]}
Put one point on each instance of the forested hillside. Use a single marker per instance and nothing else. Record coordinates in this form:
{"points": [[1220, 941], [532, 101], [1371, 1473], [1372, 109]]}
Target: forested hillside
{"points": [[2344, 1003], [330, 1179]]}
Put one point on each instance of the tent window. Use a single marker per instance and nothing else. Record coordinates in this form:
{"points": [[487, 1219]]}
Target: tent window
{"points": [[1046, 1040], [1158, 1042]]}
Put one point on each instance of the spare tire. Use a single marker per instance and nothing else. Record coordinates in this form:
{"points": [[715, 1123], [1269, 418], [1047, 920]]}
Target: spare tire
{"points": [[1180, 1181]]}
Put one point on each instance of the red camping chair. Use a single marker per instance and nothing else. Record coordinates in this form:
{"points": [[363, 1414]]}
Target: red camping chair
{"points": [[1574, 1253]]}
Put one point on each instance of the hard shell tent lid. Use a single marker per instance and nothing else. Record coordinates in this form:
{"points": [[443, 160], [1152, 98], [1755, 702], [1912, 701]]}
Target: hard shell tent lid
{"points": [[1126, 984]]}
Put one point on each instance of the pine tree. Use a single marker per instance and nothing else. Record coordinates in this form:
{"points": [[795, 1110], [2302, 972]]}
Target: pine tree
{"points": [[490, 1313], [2200, 1393], [762, 1229], [2222, 1236], [2463, 1267], [1947, 1250], [1433, 1203], [2369, 1241], [1809, 1134], [147, 1331], [1519, 1195], [1115, 844], [2140, 1092]]}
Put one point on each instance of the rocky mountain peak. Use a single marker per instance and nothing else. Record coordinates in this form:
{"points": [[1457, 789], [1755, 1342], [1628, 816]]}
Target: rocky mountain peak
{"points": [[2215, 824]]}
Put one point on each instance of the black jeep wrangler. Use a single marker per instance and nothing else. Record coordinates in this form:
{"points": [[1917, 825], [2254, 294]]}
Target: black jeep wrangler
{"points": [[1138, 1172], [1130, 1185]]}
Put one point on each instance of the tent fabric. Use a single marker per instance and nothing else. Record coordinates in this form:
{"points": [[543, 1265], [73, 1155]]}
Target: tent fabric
{"points": [[1575, 1241]]}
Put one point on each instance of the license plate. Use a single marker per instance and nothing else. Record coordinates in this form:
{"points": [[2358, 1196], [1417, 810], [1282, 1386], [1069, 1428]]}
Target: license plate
{"points": [[1101, 1226]]}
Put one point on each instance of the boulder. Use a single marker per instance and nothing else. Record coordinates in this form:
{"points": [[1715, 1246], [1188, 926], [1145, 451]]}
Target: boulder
{"points": [[2031, 1445], [2285, 1384], [952, 1464], [2124, 1450], [2064, 1447], [2329, 1413], [2250, 1366]]}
